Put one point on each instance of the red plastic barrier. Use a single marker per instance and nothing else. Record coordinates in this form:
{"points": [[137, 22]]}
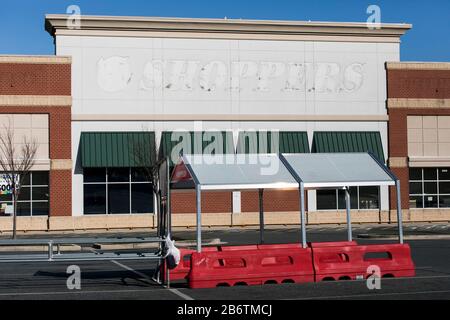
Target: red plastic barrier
{"points": [[181, 271], [345, 261], [251, 265]]}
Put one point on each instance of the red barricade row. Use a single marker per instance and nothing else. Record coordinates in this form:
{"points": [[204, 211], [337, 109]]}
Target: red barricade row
{"points": [[281, 263], [251, 265], [345, 261], [184, 267]]}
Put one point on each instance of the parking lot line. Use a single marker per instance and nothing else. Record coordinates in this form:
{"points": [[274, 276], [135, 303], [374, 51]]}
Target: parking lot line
{"points": [[181, 294], [140, 274], [174, 291]]}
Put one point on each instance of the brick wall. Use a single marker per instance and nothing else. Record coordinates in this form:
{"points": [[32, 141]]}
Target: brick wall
{"points": [[49, 79], [60, 192], [35, 79], [221, 202], [60, 132], [419, 84], [411, 84], [274, 200], [212, 202]]}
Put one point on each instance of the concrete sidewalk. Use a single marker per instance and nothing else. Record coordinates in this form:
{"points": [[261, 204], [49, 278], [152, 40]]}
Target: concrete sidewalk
{"points": [[186, 237], [380, 229]]}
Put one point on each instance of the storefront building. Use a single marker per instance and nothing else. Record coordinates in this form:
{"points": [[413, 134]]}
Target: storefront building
{"points": [[122, 93], [419, 137], [316, 87]]}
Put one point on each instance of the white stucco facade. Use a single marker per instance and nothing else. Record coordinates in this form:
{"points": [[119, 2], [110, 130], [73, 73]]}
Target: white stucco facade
{"points": [[131, 83]]}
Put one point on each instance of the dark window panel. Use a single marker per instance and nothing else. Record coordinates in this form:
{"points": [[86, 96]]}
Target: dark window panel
{"points": [[415, 188], [23, 209], [431, 201], [353, 198], [26, 180], [24, 193], [444, 173], [140, 175], [416, 202], [40, 178], [326, 200], [369, 198], [118, 175], [415, 174], [94, 199], [429, 174], [444, 187], [118, 198], [141, 198], [444, 201], [40, 208], [40, 193], [94, 175], [430, 187]]}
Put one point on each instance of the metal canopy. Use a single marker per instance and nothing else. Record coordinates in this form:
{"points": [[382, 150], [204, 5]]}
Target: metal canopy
{"points": [[283, 171], [336, 170], [232, 172]]}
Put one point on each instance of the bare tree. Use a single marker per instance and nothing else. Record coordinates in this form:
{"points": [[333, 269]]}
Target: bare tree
{"points": [[15, 163], [144, 158]]}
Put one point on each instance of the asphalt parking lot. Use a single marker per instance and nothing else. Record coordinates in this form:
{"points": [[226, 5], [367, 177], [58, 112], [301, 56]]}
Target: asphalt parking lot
{"points": [[132, 279]]}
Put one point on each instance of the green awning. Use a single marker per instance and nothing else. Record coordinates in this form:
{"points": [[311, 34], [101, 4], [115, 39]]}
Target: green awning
{"points": [[117, 149], [331, 142], [289, 142], [189, 142]]}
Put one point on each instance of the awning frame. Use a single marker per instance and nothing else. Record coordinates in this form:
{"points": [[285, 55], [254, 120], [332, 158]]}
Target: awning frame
{"points": [[301, 186]]}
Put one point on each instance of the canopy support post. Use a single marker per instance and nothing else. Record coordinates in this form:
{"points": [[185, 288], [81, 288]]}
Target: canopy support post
{"points": [[199, 217], [261, 216], [302, 213], [168, 204], [349, 216], [399, 212]]}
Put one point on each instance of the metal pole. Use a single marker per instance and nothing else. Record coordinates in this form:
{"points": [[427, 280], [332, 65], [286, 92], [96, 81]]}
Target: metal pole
{"points": [[50, 250], [349, 216], [168, 208], [399, 212], [168, 214], [302, 213], [199, 218], [261, 216], [157, 206]]}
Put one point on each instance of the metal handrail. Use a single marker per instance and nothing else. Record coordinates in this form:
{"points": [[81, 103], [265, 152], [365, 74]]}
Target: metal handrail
{"points": [[56, 241], [82, 256]]}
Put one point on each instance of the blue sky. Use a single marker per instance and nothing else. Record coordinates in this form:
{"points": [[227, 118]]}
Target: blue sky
{"points": [[22, 21]]}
